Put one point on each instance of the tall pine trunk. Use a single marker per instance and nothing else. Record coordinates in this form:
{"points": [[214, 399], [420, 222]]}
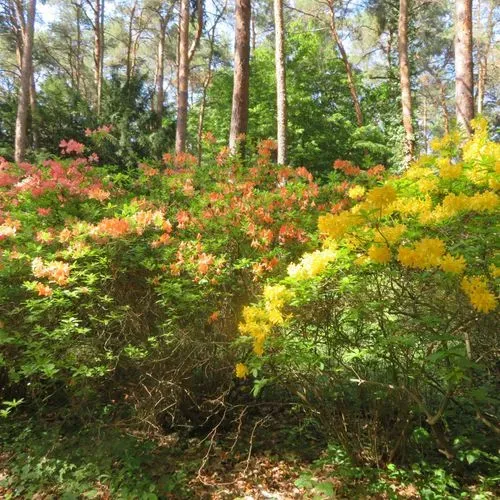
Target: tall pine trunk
{"points": [[98, 8], [182, 78], [160, 70], [484, 51], [464, 79], [404, 75], [279, 55], [130, 43], [239, 113], [348, 69], [23, 103]]}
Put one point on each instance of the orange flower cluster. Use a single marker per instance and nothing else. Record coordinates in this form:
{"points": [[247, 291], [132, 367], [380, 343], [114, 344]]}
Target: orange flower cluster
{"points": [[346, 167], [55, 271], [113, 227]]}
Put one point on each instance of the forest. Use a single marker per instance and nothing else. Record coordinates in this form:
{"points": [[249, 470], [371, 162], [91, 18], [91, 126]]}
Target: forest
{"points": [[249, 249]]}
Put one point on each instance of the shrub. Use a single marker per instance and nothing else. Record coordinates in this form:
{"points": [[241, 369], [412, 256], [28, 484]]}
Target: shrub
{"points": [[125, 290], [391, 325]]}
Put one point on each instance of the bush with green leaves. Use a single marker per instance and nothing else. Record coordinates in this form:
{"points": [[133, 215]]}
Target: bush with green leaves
{"points": [[392, 325], [128, 288]]}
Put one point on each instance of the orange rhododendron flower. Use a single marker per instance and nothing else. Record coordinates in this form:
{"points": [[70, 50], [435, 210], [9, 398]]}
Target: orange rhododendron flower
{"points": [[43, 290]]}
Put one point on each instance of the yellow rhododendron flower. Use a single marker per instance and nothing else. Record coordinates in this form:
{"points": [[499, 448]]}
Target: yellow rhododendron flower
{"points": [[390, 235], [241, 370], [335, 226], [428, 185], [494, 271], [430, 251], [417, 172], [312, 264], [455, 265], [446, 142], [425, 254], [484, 202], [379, 254], [407, 256], [356, 192], [450, 171], [381, 197], [476, 289], [412, 206]]}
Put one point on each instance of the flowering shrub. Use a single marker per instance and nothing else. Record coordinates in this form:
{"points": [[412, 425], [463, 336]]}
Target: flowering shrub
{"points": [[392, 323], [129, 288]]}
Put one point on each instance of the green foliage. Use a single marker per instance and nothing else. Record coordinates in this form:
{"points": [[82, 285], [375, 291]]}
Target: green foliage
{"points": [[71, 463], [321, 121], [388, 330]]}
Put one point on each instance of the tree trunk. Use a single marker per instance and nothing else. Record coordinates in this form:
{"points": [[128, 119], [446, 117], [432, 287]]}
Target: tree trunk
{"points": [[424, 125], [160, 71], [78, 74], [279, 55], [199, 29], [129, 43], [25, 84], [464, 83], [347, 64], [183, 78], [444, 107], [483, 59], [98, 8], [239, 113], [33, 108], [404, 75]]}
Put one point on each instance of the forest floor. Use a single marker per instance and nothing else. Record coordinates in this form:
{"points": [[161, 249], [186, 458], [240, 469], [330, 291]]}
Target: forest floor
{"points": [[268, 460]]}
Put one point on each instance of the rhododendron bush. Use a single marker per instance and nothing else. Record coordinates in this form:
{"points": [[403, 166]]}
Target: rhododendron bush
{"points": [[389, 329], [128, 288]]}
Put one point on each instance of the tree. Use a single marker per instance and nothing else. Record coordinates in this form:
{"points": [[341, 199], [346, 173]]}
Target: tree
{"points": [[25, 86], [404, 75], [484, 47], [343, 54], [163, 19], [97, 8], [183, 78], [239, 112], [208, 77], [464, 78], [279, 31]]}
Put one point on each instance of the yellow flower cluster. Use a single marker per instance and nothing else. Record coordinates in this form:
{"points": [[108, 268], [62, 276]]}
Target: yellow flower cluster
{"points": [[494, 271], [480, 147], [379, 254], [454, 265], [447, 170], [311, 264], [389, 234], [241, 370], [476, 289], [275, 298], [356, 192], [453, 204], [256, 324], [335, 226], [258, 321], [428, 185], [417, 172], [425, 254], [446, 142], [381, 197], [412, 206]]}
